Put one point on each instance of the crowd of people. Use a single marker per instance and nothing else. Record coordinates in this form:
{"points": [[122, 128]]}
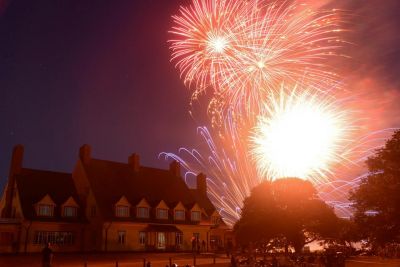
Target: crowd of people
{"points": [[327, 259]]}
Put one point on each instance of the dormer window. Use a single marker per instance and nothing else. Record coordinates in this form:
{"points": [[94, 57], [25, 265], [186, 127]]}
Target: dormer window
{"points": [[69, 208], [122, 208], [143, 212], [70, 211], [45, 210], [179, 215], [162, 214], [122, 211], [196, 216], [45, 207]]}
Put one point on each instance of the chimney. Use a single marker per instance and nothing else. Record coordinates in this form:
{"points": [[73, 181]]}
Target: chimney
{"points": [[15, 169], [85, 152], [175, 168], [134, 162], [201, 183]]}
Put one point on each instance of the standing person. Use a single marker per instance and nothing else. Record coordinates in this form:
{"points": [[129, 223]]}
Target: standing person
{"points": [[274, 261], [233, 261], [203, 246], [229, 247], [193, 244], [47, 256]]}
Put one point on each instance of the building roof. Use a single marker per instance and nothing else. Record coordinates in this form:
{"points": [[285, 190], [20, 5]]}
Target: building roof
{"points": [[34, 185], [110, 181]]}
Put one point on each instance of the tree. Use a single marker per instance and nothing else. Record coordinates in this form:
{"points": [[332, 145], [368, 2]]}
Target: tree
{"points": [[286, 209], [377, 199]]}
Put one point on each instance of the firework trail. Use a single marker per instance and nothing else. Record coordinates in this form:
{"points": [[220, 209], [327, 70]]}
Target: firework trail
{"points": [[231, 176], [230, 173], [243, 51]]}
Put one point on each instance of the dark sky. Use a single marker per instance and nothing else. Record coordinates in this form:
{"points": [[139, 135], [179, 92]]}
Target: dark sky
{"points": [[75, 72], [98, 72]]}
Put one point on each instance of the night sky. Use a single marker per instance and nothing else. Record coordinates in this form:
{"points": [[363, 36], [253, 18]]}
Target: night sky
{"points": [[98, 72]]}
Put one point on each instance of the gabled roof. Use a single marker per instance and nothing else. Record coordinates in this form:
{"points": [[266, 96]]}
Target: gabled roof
{"points": [[110, 180], [34, 185], [203, 201]]}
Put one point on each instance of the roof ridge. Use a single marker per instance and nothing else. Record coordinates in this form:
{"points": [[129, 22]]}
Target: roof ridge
{"points": [[47, 171]]}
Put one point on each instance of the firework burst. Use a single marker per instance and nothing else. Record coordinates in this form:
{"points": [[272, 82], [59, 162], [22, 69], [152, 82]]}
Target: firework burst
{"points": [[203, 44], [301, 134], [243, 51]]}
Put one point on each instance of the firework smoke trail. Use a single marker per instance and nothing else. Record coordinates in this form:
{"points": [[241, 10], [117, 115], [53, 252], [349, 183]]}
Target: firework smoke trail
{"points": [[247, 51], [230, 174]]}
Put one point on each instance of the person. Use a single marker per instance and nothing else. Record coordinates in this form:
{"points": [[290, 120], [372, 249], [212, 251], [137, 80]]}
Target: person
{"points": [[229, 247], [203, 246], [274, 261], [193, 244], [148, 264], [47, 256], [233, 261], [198, 245]]}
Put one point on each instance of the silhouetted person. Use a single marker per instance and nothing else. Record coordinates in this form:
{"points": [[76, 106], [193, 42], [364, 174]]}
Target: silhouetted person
{"points": [[148, 264], [233, 261], [203, 246], [274, 261], [193, 244], [47, 256], [229, 247]]}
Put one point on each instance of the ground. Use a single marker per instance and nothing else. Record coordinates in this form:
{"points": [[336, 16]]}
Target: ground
{"points": [[111, 259], [157, 260], [371, 262]]}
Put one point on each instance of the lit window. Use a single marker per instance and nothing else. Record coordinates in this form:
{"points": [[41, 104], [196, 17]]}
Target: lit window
{"points": [[121, 237], [196, 216], [142, 238], [179, 215], [162, 213], [45, 210], [122, 211], [70, 211], [142, 212], [58, 238]]}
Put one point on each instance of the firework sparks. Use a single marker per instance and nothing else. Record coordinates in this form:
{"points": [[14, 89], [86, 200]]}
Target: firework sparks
{"points": [[243, 51], [230, 173], [204, 42], [300, 134]]}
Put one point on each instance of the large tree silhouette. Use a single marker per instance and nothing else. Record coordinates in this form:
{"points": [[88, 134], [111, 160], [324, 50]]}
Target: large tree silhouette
{"points": [[287, 210], [377, 199]]}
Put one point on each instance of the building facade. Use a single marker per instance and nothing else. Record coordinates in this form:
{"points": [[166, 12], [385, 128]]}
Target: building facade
{"points": [[107, 206]]}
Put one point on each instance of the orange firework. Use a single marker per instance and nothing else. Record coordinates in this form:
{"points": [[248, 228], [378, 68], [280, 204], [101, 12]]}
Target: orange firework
{"points": [[245, 50], [203, 40]]}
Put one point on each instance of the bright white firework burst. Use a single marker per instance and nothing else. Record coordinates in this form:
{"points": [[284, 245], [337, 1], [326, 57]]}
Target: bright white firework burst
{"points": [[300, 134]]}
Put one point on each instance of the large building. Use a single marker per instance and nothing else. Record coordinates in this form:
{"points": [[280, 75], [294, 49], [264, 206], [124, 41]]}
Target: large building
{"points": [[106, 206]]}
